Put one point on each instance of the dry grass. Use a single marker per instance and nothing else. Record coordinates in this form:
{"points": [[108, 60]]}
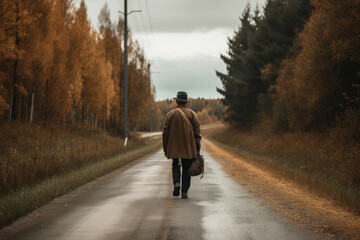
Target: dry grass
{"points": [[325, 163], [303, 207], [40, 163], [29, 154], [26, 199]]}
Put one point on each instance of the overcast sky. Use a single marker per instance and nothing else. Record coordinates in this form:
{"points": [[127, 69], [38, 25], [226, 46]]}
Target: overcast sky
{"points": [[182, 38]]}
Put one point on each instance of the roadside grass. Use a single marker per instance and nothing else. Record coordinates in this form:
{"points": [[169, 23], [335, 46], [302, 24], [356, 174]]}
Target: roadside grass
{"points": [[28, 198], [325, 164], [32, 153]]}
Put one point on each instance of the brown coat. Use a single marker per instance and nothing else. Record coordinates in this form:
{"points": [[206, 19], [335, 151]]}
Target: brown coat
{"points": [[180, 140]]}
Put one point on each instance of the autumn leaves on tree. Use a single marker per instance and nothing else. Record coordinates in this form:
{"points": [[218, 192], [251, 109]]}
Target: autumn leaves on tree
{"points": [[297, 65], [49, 49]]}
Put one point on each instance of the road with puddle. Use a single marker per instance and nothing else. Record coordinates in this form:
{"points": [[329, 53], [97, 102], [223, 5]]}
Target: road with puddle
{"points": [[136, 202]]}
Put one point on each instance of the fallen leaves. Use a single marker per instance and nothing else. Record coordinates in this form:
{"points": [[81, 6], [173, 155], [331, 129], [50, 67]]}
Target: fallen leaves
{"points": [[304, 208]]}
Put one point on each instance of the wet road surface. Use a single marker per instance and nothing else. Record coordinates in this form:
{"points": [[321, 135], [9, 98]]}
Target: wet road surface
{"points": [[136, 203]]}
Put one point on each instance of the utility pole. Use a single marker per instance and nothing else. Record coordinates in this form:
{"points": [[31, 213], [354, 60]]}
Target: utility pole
{"points": [[149, 65], [125, 69], [125, 73], [150, 97]]}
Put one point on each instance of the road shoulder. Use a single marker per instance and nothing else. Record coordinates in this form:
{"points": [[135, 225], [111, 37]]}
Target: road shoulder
{"points": [[30, 198], [289, 199]]}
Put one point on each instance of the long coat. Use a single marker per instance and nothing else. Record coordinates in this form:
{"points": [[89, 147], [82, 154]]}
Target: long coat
{"points": [[180, 139]]}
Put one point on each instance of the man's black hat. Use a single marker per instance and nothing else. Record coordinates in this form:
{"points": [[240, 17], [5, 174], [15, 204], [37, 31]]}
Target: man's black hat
{"points": [[182, 97]]}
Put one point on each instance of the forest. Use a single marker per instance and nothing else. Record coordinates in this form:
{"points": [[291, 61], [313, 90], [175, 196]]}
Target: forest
{"points": [[55, 67], [290, 108], [61, 95], [61, 92], [208, 110], [294, 64], [292, 92]]}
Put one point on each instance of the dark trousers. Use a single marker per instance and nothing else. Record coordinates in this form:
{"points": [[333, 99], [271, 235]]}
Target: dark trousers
{"points": [[185, 178]]}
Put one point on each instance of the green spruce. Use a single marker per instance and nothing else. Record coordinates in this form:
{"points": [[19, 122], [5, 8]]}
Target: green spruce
{"points": [[260, 44]]}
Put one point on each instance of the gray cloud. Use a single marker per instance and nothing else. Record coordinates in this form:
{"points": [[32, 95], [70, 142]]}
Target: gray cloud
{"points": [[190, 15], [196, 76], [176, 15]]}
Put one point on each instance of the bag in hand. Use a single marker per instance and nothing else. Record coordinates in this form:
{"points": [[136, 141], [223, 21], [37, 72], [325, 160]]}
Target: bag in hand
{"points": [[197, 166]]}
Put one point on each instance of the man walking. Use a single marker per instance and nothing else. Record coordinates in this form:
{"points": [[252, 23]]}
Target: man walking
{"points": [[181, 142]]}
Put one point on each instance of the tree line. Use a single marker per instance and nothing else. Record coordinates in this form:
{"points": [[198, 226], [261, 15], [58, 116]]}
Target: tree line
{"points": [[56, 67], [297, 63], [208, 110]]}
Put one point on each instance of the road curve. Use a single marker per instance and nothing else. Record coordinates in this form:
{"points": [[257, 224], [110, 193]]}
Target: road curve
{"points": [[136, 203]]}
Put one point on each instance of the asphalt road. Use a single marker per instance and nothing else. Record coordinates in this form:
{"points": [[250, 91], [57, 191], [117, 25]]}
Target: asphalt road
{"points": [[136, 203]]}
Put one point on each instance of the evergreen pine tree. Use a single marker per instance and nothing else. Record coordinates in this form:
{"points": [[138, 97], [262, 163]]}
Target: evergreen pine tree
{"points": [[231, 80], [258, 48]]}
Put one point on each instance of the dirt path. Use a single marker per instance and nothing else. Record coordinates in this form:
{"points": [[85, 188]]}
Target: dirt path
{"points": [[302, 207]]}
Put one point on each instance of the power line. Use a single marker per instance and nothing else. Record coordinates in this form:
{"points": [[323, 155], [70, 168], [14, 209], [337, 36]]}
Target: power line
{"points": [[136, 24], [152, 31], [147, 8], [149, 33], [142, 18]]}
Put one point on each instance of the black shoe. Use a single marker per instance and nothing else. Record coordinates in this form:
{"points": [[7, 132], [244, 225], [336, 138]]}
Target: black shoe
{"points": [[176, 191], [184, 195]]}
